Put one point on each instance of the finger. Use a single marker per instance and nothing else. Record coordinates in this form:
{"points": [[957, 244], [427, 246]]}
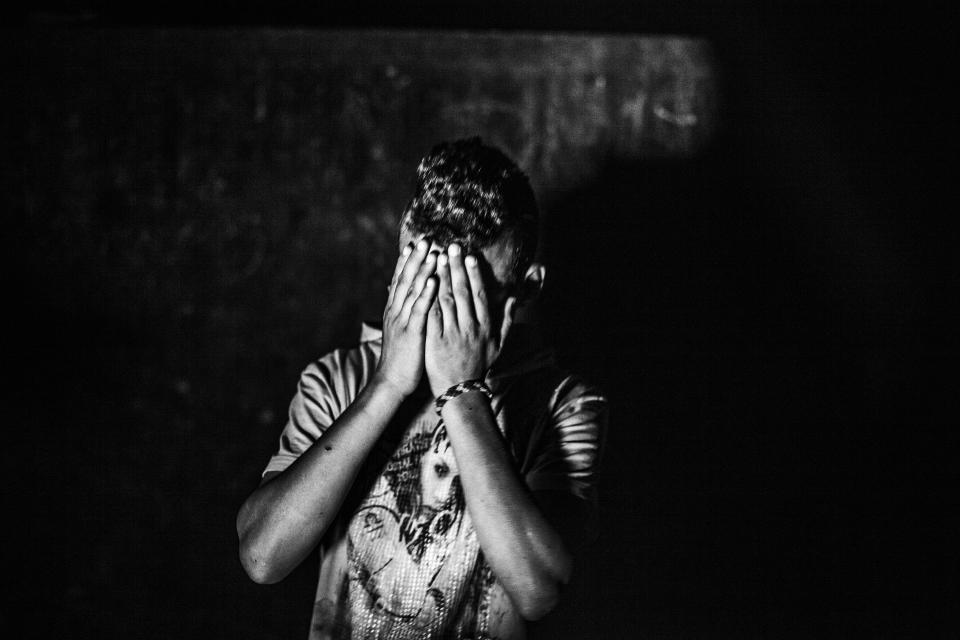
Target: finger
{"points": [[434, 316], [401, 262], [461, 288], [420, 309], [416, 287], [480, 309], [448, 306], [409, 272]]}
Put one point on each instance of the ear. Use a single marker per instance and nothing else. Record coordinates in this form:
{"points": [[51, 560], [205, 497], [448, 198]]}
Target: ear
{"points": [[529, 288]]}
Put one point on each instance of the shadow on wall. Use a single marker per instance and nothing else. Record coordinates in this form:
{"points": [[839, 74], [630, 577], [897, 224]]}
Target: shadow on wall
{"points": [[650, 293]]}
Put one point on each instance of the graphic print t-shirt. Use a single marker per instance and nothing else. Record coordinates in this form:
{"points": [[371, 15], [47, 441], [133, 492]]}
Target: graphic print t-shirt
{"points": [[402, 558]]}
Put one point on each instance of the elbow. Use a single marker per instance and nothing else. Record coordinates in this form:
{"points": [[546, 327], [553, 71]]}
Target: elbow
{"points": [[542, 597], [535, 604], [257, 566], [260, 573], [254, 559]]}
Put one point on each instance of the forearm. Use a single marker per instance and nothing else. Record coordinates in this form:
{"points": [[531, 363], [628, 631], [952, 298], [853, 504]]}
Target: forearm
{"points": [[284, 519], [524, 550]]}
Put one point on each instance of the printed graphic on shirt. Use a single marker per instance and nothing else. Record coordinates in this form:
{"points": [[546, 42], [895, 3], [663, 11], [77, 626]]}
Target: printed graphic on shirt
{"points": [[413, 553]]}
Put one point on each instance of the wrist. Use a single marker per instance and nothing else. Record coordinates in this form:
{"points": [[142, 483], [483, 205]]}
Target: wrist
{"points": [[440, 384], [464, 408], [471, 387], [382, 385]]}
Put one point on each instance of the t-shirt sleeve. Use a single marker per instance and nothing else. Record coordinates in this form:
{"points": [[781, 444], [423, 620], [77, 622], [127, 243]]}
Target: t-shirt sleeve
{"points": [[313, 409], [570, 443]]}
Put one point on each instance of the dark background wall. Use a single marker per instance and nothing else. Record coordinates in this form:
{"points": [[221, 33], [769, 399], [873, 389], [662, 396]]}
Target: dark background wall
{"points": [[194, 214]]}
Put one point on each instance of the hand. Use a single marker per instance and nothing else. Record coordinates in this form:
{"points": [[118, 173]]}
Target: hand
{"points": [[412, 291], [461, 343]]}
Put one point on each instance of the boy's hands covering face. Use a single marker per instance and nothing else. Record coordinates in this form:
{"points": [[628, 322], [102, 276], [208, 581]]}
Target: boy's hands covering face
{"points": [[461, 344], [412, 290]]}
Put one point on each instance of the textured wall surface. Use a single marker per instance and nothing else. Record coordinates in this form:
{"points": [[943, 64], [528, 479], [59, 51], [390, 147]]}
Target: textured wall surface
{"points": [[229, 177]]}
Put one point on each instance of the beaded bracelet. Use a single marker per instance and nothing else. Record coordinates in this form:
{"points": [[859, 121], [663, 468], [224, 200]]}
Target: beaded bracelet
{"points": [[463, 387]]}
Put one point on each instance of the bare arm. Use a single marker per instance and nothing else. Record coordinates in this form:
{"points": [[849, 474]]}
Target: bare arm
{"points": [[524, 549], [283, 520]]}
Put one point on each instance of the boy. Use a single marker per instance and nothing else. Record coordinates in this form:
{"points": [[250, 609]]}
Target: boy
{"points": [[446, 465]]}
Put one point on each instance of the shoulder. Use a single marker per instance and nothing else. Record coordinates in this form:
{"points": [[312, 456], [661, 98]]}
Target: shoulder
{"points": [[531, 373], [541, 409], [566, 442], [577, 416], [557, 389], [575, 393], [342, 372]]}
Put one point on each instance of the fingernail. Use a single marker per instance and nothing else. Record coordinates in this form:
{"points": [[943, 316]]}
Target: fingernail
{"points": [[454, 249], [442, 260], [422, 246], [406, 250], [471, 261]]}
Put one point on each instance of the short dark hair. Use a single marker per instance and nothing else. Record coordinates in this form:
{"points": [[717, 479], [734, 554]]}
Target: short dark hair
{"points": [[473, 194]]}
